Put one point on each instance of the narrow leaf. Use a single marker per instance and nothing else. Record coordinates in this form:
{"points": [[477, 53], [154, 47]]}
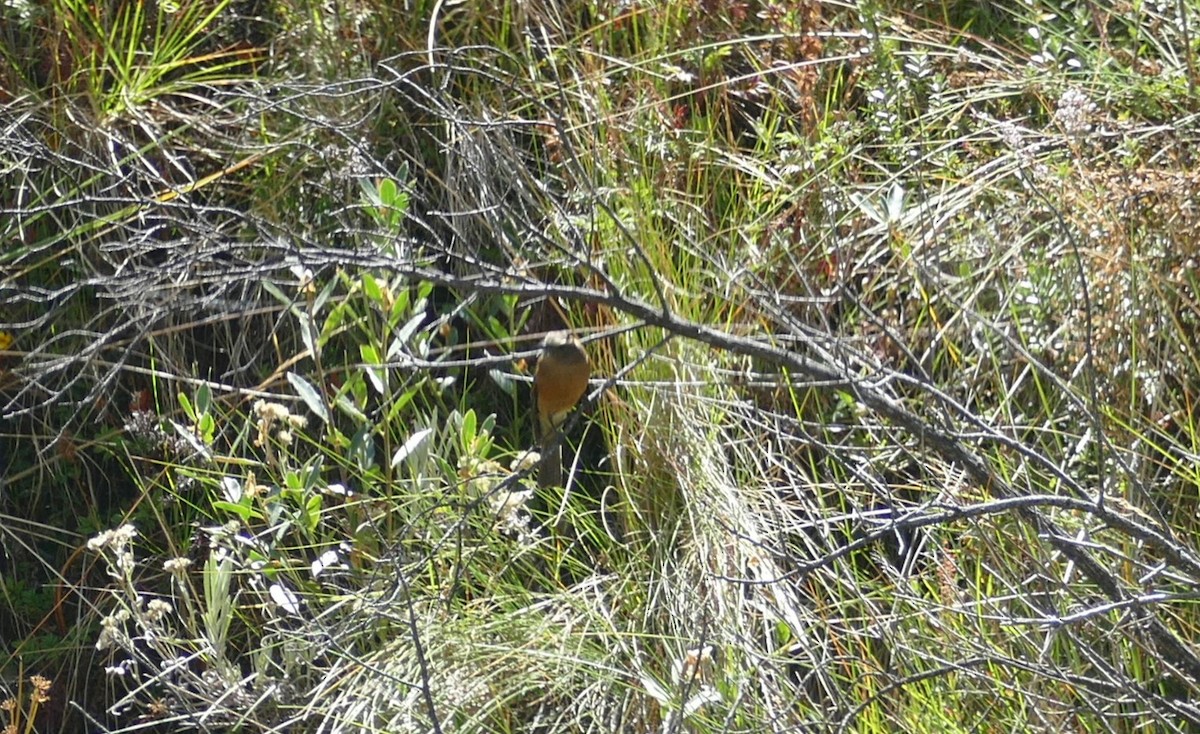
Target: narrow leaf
{"points": [[415, 442], [310, 395]]}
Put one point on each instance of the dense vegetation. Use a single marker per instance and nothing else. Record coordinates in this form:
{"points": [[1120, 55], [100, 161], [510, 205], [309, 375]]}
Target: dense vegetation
{"points": [[892, 308]]}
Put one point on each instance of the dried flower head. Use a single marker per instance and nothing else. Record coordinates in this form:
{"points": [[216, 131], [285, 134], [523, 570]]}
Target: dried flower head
{"points": [[41, 686], [696, 664], [157, 609], [272, 414], [177, 566]]}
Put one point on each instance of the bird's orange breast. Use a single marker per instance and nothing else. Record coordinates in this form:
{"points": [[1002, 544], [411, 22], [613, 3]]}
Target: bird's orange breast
{"points": [[559, 385]]}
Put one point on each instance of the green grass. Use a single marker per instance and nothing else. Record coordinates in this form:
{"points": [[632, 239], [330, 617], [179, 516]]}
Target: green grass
{"points": [[891, 310]]}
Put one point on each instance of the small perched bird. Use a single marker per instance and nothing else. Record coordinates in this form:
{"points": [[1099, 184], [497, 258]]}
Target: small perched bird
{"points": [[559, 382]]}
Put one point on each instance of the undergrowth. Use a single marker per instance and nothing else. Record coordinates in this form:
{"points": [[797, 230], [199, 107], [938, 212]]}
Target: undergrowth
{"points": [[891, 312]]}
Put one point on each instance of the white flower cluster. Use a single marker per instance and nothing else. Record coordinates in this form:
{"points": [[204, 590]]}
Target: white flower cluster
{"points": [[1074, 112], [117, 541], [112, 630]]}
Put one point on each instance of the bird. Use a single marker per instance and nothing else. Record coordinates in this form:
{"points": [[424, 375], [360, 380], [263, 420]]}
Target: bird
{"points": [[560, 380]]}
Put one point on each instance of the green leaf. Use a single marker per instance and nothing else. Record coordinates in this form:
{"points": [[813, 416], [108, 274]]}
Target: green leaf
{"points": [[310, 395], [208, 428], [323, 297], [371, 288], [336, 316], [308, 332], [362, 448], [370, 357], [504, 381], [401, 402], [357, 388], [469, 424], [245, 512], [293, 484], [406, 332], [412, 447], [387, 191], [280, 296], [312, 471], [188, 410], [393, 202], [203, 399], [347, 406], [370, 191], [218, 606], [312, 512], [189, 435], [400, 306], [409, 340]]}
